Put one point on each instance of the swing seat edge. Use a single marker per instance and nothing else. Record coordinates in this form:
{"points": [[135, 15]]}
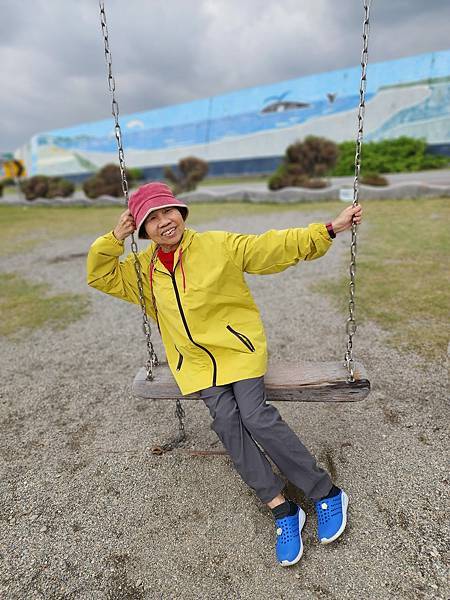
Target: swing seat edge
{"points": [[300, 381]]}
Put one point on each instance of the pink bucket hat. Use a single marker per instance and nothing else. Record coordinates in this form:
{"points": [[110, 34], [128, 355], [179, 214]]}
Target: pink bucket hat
{"points": [[151, 197]]}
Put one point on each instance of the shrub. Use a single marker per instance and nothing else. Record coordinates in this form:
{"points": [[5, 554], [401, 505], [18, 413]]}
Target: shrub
{"points": [[94, 187], [106, 182], [403, 154], [136, 174], [276, 180], [282, 178], [191, 170], [287, 176], [374, 179], [312, 157], [59, 188], [41, 186], [34, 187], [315, 184], [305, 162], [1, 189]]}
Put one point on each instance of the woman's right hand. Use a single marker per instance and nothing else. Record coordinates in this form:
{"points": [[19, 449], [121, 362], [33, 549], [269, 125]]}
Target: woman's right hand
{"points": [[125, 225]]}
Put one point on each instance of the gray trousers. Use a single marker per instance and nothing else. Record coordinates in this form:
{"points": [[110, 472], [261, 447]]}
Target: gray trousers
{"points": [[242, 416]]}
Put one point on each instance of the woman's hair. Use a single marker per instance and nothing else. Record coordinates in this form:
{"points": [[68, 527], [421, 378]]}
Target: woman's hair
{"points": [[183, 211]]}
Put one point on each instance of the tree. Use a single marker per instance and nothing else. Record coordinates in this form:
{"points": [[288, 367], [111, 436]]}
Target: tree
{"points": [[191, 170], [305, 162]]}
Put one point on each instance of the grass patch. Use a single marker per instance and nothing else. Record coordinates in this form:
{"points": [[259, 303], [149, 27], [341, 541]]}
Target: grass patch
{"points": [[402, 278], [24, 227], [10, 190], [28, 306], [402, 274], [231, 180]]}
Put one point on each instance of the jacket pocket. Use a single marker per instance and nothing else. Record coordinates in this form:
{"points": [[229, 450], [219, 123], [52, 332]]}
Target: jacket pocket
{"points": [[243, 338], [180, 359]]}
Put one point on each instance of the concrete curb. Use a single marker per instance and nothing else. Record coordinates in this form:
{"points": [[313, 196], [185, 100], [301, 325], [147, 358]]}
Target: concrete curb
{"points": [[394, 191], [286, 195]]}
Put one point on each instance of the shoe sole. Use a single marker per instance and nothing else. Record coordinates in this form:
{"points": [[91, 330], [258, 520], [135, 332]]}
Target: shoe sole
{"points": [[301, 524], [339, 532]]}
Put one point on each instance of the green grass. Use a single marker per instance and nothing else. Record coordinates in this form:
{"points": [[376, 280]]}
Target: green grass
{"points": [[211, 181], [24, 227], [9, 190], [403, 274], [30, 306], [27, 306], [402, 262], [238, 179]]}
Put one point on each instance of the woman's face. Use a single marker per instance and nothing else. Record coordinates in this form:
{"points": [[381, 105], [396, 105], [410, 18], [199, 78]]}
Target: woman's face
{"points": [[165, 227]]}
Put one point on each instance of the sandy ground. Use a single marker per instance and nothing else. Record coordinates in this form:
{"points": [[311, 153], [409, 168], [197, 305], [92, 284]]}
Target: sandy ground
{"points": [[87, 512]]}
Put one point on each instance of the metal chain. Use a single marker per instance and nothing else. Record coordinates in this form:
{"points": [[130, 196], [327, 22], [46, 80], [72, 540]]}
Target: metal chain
{"points": [[152, 358], [351, 322], [179, 439]]}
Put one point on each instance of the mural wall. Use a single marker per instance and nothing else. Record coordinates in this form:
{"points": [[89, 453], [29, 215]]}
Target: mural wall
{"points": [[409, 96]]}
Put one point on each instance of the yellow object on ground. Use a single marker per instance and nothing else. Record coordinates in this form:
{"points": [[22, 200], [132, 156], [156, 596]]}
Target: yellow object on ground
{"points": [[13, 169]]}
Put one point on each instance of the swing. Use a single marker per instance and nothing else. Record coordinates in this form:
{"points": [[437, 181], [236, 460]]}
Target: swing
{"points": [[300, 381]]}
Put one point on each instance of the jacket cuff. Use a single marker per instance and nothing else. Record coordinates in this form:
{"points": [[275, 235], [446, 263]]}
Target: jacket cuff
{"points": [[330, 230], [108, 245], [110, 236]]}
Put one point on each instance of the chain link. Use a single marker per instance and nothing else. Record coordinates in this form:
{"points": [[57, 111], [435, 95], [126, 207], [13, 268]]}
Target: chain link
{"points": [[179, 439], [351, 321], [152, 360]]}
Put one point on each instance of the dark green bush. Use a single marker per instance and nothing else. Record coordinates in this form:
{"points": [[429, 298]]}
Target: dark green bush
{"points": [[1, 189], [315, 184], [59, 188], [374, 179], [289, 175], [94, 187], [41, 186], [34, 187], [191, 170], [276, 180], [136, 174], [312, 157], [106, 182], [305, 162], [283, 177], [400, 155]]}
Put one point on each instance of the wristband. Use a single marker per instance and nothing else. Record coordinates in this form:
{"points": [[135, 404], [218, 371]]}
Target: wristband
{"points": [[330, 230]]}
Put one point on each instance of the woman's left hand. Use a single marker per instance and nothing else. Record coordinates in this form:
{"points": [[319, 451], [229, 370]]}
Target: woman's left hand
{"points": [[347, 217]]}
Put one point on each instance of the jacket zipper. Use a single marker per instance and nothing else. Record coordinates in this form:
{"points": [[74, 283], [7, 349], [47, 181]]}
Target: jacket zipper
{"points": [[243, 338], [183, 318], [180, 359]]}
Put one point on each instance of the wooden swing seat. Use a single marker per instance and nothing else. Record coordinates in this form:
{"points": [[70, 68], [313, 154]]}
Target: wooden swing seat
{"points": [[291, 382]]}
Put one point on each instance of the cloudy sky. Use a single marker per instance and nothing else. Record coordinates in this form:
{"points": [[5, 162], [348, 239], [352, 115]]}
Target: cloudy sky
{"points": [[53, 75]]}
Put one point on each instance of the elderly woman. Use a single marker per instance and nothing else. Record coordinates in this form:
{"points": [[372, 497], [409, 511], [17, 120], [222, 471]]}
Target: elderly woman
{"points": [[215, 343]]}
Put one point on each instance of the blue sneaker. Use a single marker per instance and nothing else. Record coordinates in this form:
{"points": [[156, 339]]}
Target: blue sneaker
{"points": [[331, 517], [289, 545]]}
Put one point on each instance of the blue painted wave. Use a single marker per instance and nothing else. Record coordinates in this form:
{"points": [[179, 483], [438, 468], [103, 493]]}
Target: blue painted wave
{"points": [[202, 132], [436, 106]]}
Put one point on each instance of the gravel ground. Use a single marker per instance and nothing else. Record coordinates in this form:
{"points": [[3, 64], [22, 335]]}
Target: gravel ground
{"points": [[88, 513]]}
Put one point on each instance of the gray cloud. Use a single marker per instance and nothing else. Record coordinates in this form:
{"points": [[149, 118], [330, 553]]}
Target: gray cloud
{"points": [[171, 51]]}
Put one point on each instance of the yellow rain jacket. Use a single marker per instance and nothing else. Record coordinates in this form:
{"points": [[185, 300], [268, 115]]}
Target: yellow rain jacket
{"points": [[209, 323]]}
